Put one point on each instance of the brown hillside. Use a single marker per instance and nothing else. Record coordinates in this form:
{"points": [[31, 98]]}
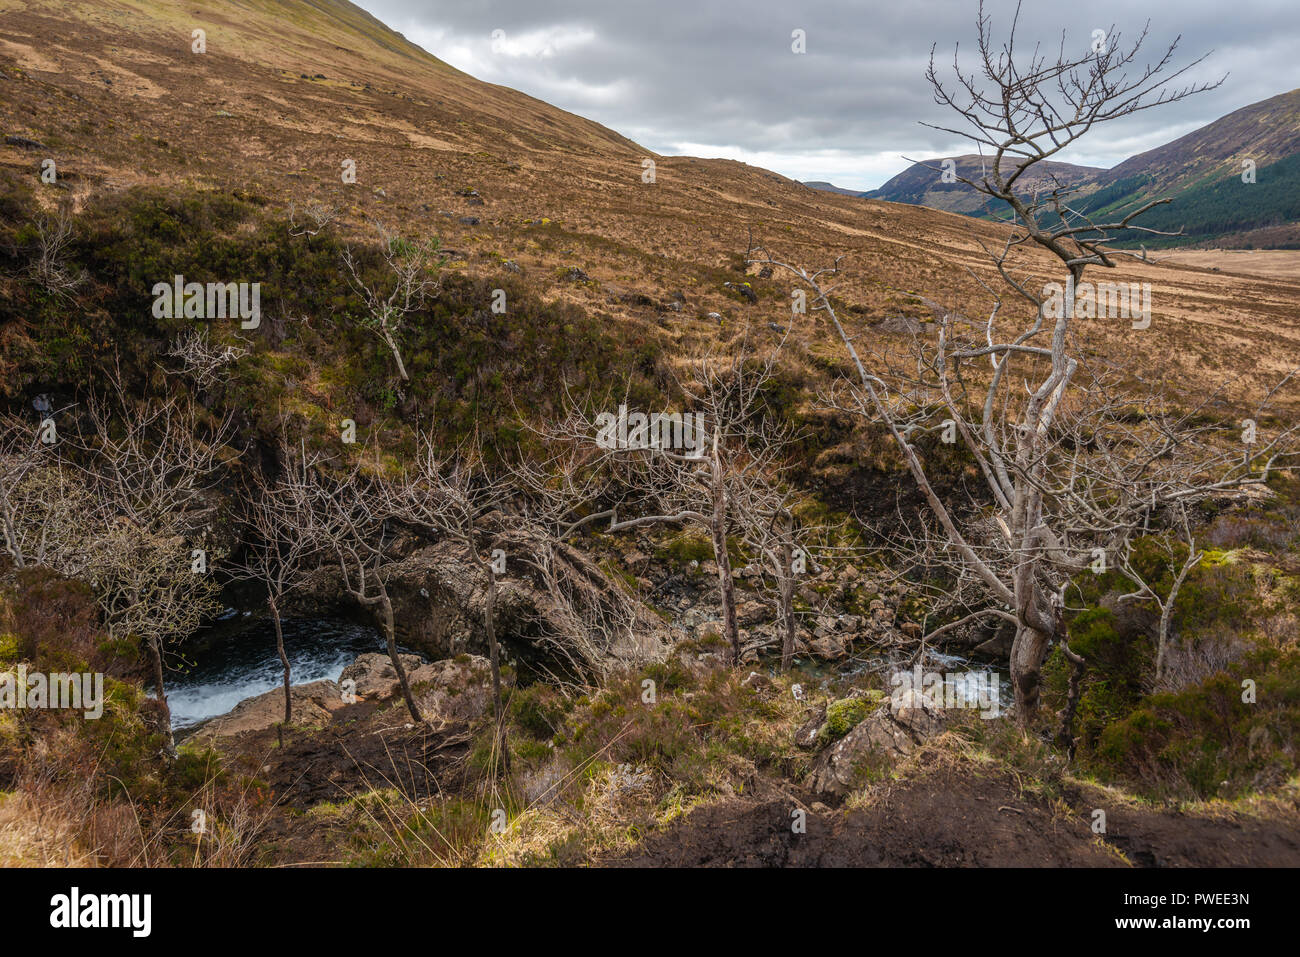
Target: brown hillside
{"points": [[288, 90]]}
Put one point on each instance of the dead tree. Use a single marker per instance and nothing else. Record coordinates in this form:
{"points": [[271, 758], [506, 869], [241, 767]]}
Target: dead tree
{"points": [[44, 506], [1179, 542], [592, 622], [349, 519], [1069, 467], [49, 267], [450, 499], [316, 217], [405, 287], [768, 525], [677, 468], [149, 469], [200, 359], [280, 540]]}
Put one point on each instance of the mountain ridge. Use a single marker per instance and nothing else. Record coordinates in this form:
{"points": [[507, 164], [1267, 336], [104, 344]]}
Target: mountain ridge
{"points": [[1185, 169]]}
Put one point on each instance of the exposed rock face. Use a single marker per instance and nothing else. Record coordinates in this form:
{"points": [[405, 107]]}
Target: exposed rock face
{"points": [[313, 704], [439, 596], [892, 731], [455, 689]]}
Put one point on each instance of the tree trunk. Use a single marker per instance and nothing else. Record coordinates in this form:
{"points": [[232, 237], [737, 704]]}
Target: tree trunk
{"points": [[1065, 735], [787, 616], [723, 560], [284, 658], [785, 587], [1027, 653], [489, 621], [1167, 609], [390, 638], [156, 651], [397, 355]]}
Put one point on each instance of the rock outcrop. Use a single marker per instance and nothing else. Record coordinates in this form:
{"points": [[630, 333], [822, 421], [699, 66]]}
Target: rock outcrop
{"points": [[454, 689], [373, 675], [894, 730], [439, 595], [313, 705]]}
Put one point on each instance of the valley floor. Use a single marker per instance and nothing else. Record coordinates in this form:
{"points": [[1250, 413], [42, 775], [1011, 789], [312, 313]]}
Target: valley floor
{"points": [[1269, 263]]}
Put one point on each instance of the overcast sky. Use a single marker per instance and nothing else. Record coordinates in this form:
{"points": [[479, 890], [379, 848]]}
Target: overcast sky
{"points": [[707, 78]]}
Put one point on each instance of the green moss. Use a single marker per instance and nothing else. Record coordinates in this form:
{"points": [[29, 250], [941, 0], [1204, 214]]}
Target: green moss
{"points": [[685, 547], [844, 715]]}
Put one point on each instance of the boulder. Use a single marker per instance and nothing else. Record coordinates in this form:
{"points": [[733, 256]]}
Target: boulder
{"points": [[751, 613], [375, 675], [806, 735], [313, 704], [894, 730], [760, 684], [827, 648]]}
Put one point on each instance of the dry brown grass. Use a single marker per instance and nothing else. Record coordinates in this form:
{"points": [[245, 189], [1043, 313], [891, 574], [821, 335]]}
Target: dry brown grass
{"points": [[529, 162], [34, 833], [1269, 263]]}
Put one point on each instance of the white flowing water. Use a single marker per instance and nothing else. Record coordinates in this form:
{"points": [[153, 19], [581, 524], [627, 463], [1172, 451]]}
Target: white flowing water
{"points": [[246, 664]]}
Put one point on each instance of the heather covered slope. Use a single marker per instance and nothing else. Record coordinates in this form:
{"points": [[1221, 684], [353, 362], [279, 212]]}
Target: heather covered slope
{"points": [[114, 94]]}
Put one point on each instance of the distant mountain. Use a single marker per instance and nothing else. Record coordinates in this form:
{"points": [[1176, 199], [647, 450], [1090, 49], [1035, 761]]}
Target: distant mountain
{"points": [[832, 188], [922, 184], [1201, 172], [1265, 132]]}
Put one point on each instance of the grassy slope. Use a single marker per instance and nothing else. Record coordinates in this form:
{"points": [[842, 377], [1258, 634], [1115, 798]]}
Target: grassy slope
{"points": [[422, 134]]}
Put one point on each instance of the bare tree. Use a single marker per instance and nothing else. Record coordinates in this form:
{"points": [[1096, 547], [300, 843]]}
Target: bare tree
{"points": [[64, 513], [315, 218], [280, 541], [201, 359], [591, 622], [768, 525], [450, 499], [678, 469], [149, 468], [1072, 462], [408, 283], [1179, 542], [49, 267], [349, 518]]}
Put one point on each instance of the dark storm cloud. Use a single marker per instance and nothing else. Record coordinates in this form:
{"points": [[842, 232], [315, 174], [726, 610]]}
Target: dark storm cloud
{"points": [[711, 79]]}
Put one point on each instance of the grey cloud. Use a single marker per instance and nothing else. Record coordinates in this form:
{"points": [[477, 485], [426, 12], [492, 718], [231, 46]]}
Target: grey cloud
{"points": [[711, 79]]}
